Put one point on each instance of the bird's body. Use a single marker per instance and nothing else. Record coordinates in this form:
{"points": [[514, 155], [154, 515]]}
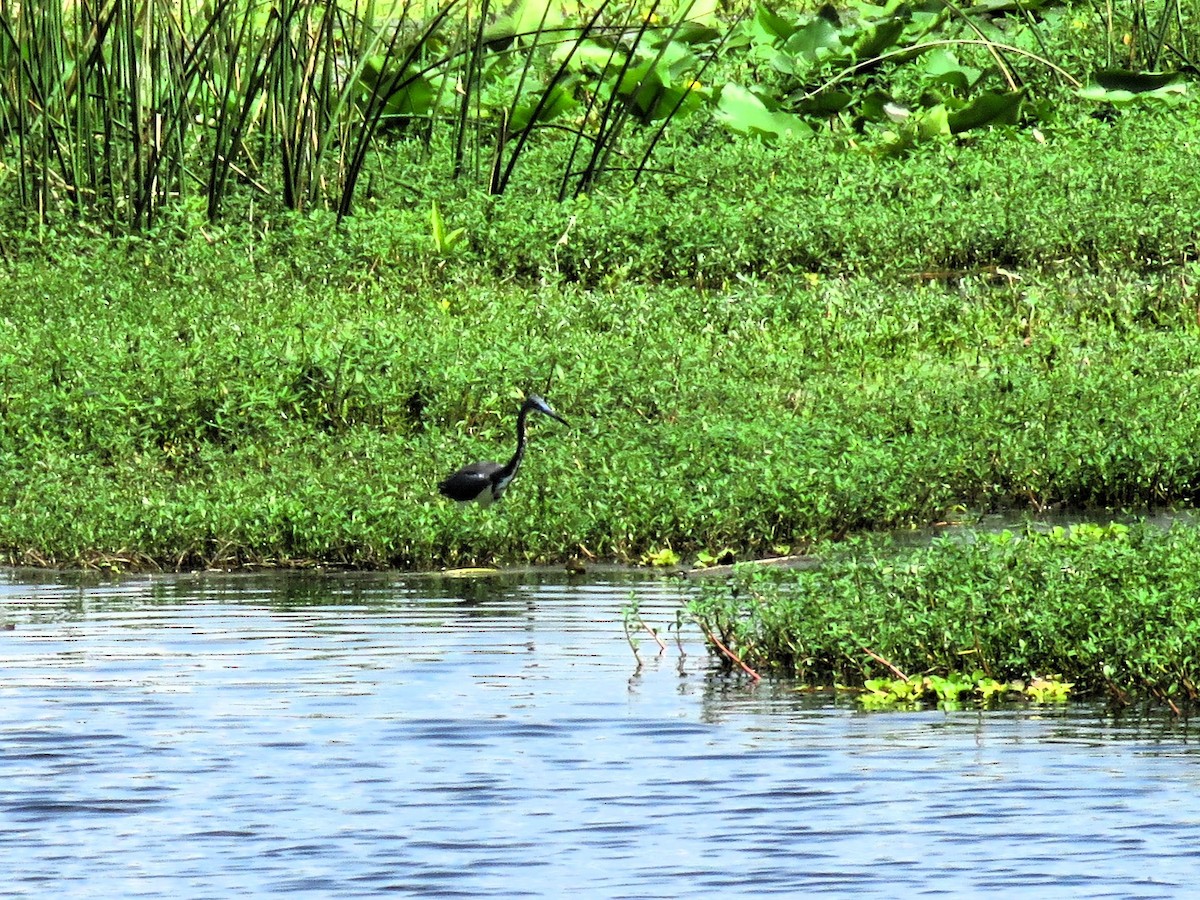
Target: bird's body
{"points": [[473, 484], [485, 482]]}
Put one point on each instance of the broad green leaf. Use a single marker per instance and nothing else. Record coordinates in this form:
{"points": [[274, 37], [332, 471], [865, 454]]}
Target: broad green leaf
{"points": [[1136, 82], [945, 68], [825, 103], [921, 23], [988, 108], [655, 91], [694, 33], [561, 103], [935, 122], [1122, 87], [784, 62], [414, 99], [672, 59], [820, 39], [877, 38], [590, 55], [870, 9], [692, 95], [768, 27], [744, 113], [703, 12], [523, 17]]}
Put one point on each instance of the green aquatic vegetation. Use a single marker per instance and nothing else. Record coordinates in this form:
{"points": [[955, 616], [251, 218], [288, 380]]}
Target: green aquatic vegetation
{"points": [[665, 558], [282, 418], [1112, 610], [707, 558], [632, 621], [291, 391], [952, 690], [1051, 689]]}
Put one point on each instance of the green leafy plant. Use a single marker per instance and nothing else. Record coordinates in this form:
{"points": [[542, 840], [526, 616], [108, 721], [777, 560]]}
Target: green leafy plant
{"points": [[706, 558], [444, 241], [951, 690], [773, 373], [1122, 88], [1051, 689], [1110, 610], [662, 558]]}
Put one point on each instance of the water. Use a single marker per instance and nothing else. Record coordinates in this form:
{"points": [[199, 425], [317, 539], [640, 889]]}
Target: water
{"points": [[353, 735]]}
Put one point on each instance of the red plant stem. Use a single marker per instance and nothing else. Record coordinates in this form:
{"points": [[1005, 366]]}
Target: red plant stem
{"points": [[729, 653], [653, 634], [879, 659]]}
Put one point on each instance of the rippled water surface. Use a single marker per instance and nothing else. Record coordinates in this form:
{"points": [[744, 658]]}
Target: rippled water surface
{"points": [[348, 735]]}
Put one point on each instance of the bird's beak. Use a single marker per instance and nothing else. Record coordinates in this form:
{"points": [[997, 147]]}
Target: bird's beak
{"points": [[559, 418]]}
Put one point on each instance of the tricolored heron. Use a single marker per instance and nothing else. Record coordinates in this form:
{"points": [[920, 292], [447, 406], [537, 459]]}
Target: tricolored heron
{"points": [[485, 482]]}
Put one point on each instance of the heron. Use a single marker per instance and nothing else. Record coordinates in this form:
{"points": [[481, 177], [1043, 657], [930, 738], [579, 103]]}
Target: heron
{"points": [[485, 482]]}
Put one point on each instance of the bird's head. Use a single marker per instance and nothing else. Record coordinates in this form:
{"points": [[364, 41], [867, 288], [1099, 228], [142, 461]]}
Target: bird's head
{"points": [[537, 404]]}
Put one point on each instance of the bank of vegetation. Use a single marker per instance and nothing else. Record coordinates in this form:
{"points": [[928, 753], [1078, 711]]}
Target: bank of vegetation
{"points": [[294, 394], [1102, 611]]}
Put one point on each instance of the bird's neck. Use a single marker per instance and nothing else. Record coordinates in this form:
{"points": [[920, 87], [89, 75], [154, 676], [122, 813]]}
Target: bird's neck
{"points": [[509, 471]]}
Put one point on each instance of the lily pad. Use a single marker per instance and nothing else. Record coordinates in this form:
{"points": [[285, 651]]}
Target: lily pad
{"points": [[1122, 87]]}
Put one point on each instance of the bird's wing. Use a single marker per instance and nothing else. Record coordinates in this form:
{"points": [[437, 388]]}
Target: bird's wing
{"points": [[469, 481]]}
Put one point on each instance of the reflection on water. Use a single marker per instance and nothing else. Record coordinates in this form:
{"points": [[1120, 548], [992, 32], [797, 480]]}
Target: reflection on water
{"points": [[347, 735]]}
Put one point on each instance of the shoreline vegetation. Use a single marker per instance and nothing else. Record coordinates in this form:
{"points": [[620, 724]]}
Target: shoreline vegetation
{"points": [[859, 299], [1090, 610]]}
